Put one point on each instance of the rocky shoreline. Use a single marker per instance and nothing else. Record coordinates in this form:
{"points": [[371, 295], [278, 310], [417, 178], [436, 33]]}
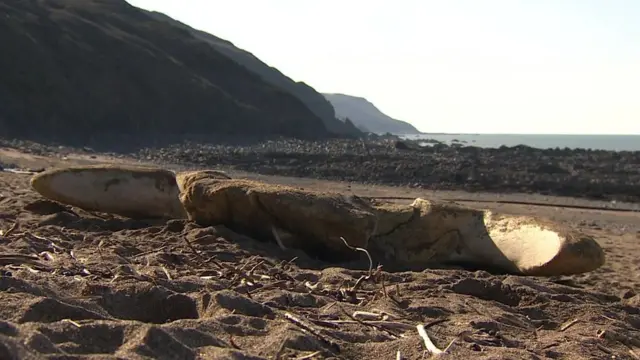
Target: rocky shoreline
{"points": [[580, 173]]}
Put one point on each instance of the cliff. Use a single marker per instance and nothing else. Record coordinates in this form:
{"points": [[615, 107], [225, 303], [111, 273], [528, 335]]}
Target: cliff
{"points": [[79, 70], [367, 116], [309, 96]]}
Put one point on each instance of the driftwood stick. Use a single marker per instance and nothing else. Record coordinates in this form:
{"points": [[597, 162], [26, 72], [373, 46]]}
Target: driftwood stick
{"points": [[310, 330], [310, 356], [366, 315], [276, 236], [431, 347], [383, 323], [11, 229], [193, 249], [362, 250], [376, 326], [20, 259], [569, 324]]}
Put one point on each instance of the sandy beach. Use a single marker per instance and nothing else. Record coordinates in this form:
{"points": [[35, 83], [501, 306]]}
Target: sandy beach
{"points": [[80, 285]]}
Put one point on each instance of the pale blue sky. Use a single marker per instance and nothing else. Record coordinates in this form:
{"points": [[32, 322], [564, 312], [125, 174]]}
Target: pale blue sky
{"points": [[478, 66]]}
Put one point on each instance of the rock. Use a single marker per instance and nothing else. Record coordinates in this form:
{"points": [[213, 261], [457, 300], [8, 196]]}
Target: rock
{"points": [[303, 219], [432, 233], [401, 145], [134, 192]]}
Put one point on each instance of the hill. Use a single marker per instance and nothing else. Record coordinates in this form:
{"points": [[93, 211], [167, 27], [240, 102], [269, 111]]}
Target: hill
{"points": [[367, 116], [77, 70], [309, 96]]}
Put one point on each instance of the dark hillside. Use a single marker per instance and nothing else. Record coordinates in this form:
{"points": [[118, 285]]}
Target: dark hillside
{"points": [[315, 101], [74, 70]]}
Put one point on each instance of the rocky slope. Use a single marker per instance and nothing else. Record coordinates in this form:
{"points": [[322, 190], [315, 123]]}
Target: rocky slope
{"points": [[310, 97], [77, 70], [367, 116]]}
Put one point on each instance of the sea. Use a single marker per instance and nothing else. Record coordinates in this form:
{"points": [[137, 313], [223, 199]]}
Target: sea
{"points": [[593, 142]]}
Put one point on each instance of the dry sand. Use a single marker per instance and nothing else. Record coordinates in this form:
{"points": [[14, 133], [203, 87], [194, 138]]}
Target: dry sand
{"points": [[79, 285]]}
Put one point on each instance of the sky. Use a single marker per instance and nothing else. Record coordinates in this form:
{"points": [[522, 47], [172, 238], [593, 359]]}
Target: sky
{"points": [[458, 66]]}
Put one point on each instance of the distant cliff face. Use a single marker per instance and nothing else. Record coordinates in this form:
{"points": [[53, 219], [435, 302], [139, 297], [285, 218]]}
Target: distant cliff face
{"points": [[73, 70], [366, 116], [309, 96]]}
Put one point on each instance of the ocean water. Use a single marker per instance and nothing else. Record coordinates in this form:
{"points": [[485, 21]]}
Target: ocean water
{"points": [[594, 142]]}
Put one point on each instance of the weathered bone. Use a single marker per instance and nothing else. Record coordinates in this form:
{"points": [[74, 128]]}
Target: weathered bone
{"points": [[303, 219], [423, 234], [429, 233], [136, 192]]}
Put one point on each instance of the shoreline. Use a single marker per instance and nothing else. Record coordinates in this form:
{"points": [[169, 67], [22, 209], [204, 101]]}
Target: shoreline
{"points": [[593, 142]]}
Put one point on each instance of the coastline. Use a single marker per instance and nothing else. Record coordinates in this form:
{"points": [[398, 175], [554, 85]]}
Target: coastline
{"points": [[611, 142]]}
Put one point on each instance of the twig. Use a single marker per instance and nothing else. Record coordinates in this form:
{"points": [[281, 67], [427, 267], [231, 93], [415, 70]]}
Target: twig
{"points": [[240, 272], [327, 307], [104, 263], [383, 323], [357, 285], [366, 315], [312, 287], [289, 262], [435, 322], [71, 322], [250, 272], [11, 229], [362, 250], [569, 324], [281, 349], [387, 315], [395, 335], [166, 272], [274, 231], [19, 259], [384, 286], [310, 330], [431, 347], [306, 357], [446, 349], [193, 250]]}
